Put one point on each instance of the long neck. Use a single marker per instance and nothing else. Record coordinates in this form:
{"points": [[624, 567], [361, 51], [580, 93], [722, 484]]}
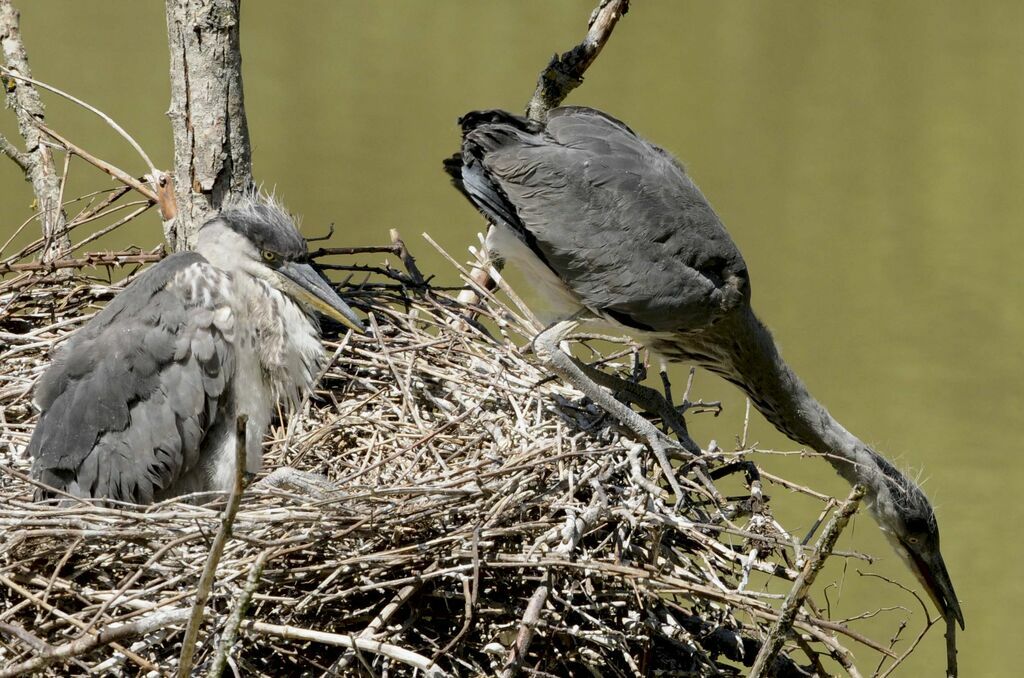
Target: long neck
{"points": [[754, 364]]}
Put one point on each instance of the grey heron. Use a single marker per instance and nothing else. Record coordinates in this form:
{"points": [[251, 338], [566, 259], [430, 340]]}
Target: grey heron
{"points": [[140, 404], [611, 227]]}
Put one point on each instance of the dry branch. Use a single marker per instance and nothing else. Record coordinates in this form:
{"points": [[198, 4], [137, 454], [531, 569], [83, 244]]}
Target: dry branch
{"points": [[802, 585], [37, 160], [112, 633], [565, 72], [86, 260], [188, 645]]}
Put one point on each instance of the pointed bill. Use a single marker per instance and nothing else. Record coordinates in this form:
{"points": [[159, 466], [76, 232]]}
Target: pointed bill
{"points": [[931, 572], [306, 286]]}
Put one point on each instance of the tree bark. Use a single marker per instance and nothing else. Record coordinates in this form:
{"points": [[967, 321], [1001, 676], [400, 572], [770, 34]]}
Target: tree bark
{"points": [[37, 159], [212, 155]]}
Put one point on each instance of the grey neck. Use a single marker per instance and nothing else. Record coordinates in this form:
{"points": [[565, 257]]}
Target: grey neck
{"points": [[756, 366]]}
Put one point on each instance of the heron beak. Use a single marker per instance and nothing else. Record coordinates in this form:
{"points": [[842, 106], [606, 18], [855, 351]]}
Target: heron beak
{"points": [[931, 572], [306, 286]]}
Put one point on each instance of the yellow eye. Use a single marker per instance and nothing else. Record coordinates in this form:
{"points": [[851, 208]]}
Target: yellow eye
{"points": [[268, 256]]}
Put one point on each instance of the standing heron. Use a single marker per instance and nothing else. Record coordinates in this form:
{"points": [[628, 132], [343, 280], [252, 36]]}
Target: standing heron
{"points": [[140, 405], [610, 227]]}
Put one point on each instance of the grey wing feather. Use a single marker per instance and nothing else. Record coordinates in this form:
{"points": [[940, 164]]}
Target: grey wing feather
{"points": [[127, 401], [615, 217]]}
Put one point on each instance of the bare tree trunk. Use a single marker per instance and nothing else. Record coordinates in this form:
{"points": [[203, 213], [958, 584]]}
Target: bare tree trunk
{"points": [[212, 156], [37, 159]]}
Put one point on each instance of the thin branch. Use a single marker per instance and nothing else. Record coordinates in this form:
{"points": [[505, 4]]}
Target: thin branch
{"points": [[92, 259], [119, 174], [188, 645], [331, 251], [407, 259], [951, 667], [90, 213], [11, 151], [801, 587], [565, 73], [234, 622], [382, 617], [89, 107], [527, 627], [106, 636], [36, 161], [562, 75], [399, 654]]}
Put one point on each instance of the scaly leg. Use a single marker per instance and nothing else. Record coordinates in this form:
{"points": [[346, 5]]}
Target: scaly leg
{"points": [[312, 485], [547, 349], [648, 399]]}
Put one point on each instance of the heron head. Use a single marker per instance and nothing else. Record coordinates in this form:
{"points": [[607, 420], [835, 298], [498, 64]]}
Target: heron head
{"points": [[255, 236], [908, 521]]}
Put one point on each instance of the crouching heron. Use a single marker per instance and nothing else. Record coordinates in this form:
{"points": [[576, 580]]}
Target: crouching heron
{"points": [[140, 404], [610, 227]]}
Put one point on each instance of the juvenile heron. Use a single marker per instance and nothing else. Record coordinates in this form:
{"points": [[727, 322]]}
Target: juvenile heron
{"points": [[611, 227], [140, 404]]}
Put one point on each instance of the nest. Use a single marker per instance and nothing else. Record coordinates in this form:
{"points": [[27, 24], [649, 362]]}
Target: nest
{"points": [[480, 518]]}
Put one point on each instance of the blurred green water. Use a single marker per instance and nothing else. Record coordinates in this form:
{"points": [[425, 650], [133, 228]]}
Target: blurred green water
{"points": [[867, 157]]}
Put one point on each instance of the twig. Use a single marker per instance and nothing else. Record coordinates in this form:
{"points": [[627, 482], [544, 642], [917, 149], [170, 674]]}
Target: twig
{"points": [[801, 587], [115, 172], [527, 627], [92, 109], [951, 668], [234, 621], [188, 645], [929, 622], [565, 72], [26, 637], [399, 654], [383, 616], [87, 214], [36, 161], [11, 151], [370, 249], [105, 636], [407, 259], [92, 259], [71, 620]]}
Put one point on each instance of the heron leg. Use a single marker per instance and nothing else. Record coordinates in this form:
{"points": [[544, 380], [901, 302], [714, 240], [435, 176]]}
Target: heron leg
{"points": [[546, 344], [648, 399]]}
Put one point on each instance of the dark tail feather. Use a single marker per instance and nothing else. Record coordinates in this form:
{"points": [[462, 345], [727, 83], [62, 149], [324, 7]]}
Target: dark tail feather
{"points": [[483, 132], [453, 166], [470, 121]]}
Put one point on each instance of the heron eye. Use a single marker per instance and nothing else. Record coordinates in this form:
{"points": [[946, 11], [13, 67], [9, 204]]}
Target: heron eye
{"points": [[268, 256], [913, 540]]}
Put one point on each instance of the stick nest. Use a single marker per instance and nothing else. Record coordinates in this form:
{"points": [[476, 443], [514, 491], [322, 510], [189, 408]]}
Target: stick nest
{"points": [[482, 519]]}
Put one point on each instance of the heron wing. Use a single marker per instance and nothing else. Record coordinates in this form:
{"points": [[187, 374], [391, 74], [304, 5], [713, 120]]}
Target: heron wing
{"points": [[127, 401], [615, 217]]}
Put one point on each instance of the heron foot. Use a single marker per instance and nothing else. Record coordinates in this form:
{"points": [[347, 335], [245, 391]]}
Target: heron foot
{"points": [[650, 401], [546, 345], [311, 485]]}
